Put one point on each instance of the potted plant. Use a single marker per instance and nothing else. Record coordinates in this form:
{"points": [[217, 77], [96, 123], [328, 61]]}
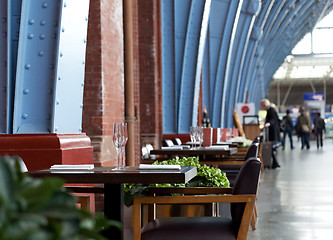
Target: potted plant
{"points": [[206, 177], [33, 209]]}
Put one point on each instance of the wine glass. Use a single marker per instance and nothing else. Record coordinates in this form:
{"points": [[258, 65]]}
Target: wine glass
{"points": [[123, 144], [192, 135], [200, 135], [117, 141]]}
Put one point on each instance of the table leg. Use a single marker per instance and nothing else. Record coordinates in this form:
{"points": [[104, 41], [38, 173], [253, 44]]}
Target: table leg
{"points": [[113, 208]]}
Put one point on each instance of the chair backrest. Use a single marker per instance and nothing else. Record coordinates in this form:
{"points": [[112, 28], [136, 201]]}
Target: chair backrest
{"points": [[177, 141], [149, 148], [246, 183], [167, 143], [256, 139], [252, 151], [145, 152]]}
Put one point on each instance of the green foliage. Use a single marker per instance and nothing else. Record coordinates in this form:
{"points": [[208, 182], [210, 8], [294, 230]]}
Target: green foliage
{"points": [[41, 209], [206, 177]]}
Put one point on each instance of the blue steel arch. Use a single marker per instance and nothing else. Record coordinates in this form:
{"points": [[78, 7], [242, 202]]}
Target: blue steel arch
{"points": [[227, 41], [242, 51], [244, 28], [32, 37]]}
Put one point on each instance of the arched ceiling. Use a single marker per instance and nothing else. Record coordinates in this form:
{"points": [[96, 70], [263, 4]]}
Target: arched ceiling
{"points": [[236, 45]]}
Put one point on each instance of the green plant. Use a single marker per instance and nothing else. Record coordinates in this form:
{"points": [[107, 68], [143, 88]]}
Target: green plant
{"points": [[41, 209], [206, 177]]}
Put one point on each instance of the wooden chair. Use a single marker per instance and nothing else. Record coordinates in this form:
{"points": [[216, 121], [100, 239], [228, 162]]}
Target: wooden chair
{"points": [[242, 199]]}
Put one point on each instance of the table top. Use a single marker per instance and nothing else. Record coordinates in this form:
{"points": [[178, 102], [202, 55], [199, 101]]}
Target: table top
{"points": [[195, 151], [130, 175]]}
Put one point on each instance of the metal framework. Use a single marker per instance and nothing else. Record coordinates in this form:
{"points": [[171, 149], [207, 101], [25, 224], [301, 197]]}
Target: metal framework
{"points": [[42, 65], [246, 42]]}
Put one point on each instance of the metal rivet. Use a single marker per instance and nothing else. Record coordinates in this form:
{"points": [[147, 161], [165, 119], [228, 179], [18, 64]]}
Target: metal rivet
{"points": [[82, 84], [57, 102], [65, 4], [31, 21], [42, 23], [84, 40], [26, 91], [83, 62], [59, 78], [42, 36], [81, 106], [25, 116], [61, 54], [56, 129], [86, 18], [40, 53], [63, 29], [27, 66], [45, 5], [80, 129], [30, 36]]}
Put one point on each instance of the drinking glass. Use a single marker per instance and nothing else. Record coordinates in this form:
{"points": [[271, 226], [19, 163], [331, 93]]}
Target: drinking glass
{"points": [[200, 135], [192, 135], [118, 132], [124, 141]]}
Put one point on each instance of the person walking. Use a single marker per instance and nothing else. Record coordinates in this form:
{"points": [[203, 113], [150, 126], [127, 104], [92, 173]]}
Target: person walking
{"points": [[319, 127], [303, 124], [272, 123], [287, 124]]}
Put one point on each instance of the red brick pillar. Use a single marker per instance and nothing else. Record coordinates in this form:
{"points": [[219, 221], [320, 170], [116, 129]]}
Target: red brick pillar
{"points": [[148, 70], [104, 79]]}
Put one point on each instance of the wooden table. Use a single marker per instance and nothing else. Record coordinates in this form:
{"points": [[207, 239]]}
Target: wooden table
{"points": [[113, 185]]}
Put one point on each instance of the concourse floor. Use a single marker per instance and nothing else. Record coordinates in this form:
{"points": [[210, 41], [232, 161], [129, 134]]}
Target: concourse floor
{"points": [[295, 202]]}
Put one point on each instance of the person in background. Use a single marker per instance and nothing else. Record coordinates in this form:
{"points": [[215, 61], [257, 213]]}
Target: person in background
{"points": [[272, 123], [288, 129], [303, 124], [319, 127]]}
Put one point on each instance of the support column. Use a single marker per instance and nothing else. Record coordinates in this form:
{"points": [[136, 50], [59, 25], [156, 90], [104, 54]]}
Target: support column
{"points": [[129, 81]]}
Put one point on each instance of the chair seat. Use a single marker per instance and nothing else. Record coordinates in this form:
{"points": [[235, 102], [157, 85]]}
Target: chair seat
{"points": [[189, 228]]}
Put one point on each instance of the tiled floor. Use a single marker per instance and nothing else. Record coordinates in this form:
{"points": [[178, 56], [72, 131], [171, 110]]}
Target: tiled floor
{"points": [[295, 202]]}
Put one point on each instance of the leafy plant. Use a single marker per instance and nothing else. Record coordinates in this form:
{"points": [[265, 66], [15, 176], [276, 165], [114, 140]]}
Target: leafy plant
{"points": [[206, 177], [39, 209]]}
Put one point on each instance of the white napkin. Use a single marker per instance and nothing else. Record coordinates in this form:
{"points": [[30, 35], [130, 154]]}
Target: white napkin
{"points": [[159, 167], [218, 147], [72, 167], [173, 148]]}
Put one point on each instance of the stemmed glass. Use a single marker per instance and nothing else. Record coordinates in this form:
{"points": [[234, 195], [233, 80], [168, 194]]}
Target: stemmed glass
{"points": [[192, 135], [119, 141], [200, 135], [124, 141]]}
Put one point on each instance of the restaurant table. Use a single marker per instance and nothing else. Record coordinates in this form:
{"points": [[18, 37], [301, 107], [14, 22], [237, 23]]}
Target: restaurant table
{"points": [[207, 155], [113, 185]]}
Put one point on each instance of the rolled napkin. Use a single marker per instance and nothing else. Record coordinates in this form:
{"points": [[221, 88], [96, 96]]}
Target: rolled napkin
{"points": [[173, 148], [159, 167], [72, 167], [218, 147]]}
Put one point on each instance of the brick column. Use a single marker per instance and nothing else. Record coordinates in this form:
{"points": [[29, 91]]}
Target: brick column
{"points": [[148, 74], [104, 79]]}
